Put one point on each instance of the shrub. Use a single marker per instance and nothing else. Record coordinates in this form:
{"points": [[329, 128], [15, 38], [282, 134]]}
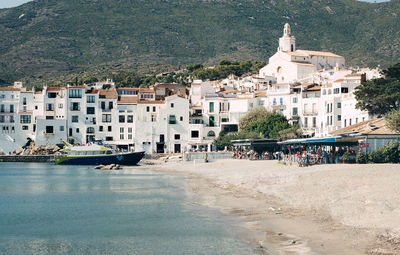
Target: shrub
{"points": [[361, 158], [376, 156]]}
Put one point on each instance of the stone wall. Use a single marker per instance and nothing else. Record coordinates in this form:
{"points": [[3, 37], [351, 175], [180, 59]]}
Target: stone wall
{"points": [[211, 156], [25, 159]]}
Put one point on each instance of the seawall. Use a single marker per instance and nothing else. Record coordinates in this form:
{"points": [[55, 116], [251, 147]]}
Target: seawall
{"points": [[39, 159]]}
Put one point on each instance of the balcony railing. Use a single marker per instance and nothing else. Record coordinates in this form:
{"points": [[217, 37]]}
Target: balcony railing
{"points": [[310, 112]]}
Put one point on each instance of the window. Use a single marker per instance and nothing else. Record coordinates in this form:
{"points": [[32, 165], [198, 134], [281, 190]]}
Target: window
{"points": [[77, 130], [211, 106], [172, 105], [75, 118], [2, 108], [49, 117], [90, 99], [281, 101], [314, 122], [329, 91], [327, 108], [36, 107], [153, 118], [90, 130], [109, 138], [129, 136], [331, 119], [25, 127], [130, 130], [109, 128], [154, 109], [147, 108], [225, 120], [26, 119], [345, 123], [49, 107], [195, 134], [130, 119], [51, 94], [295, 100], [101, 128], [110, 105], [61, 128], [24, 101], [181, 118], [345, 90], [339, 105], [75, 93], [349, 122], [324, 92], [49, 129], [211, 133], [11, 108], [295, 111], [177, 136], [60, 106], [172, 119], [106, 118], [121, 136], [339, 117], [103, 105], [336, 91], [306, 122], [211, 121], [75, 107], [90, 110], [274, 101], [121, 118], [121, 129]]}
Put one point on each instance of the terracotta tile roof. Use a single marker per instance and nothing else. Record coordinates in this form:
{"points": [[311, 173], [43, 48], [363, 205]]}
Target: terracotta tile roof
{"points": [[369, 127], [151, 102], [26, 91], [340, 80], [315, 88], [329, 85], [108, 93], [128, 100], [146, 90], [78, 87], [38, 92], [55, 88], [9, 88], [319, 53]]}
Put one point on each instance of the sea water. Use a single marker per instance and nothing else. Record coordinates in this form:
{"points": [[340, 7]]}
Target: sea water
{"points": [[49, 209]]}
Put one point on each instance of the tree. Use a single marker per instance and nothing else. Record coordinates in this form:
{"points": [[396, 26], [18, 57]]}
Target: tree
{"points": [[290, 133], [270, 126], [393, 120], [380, 96], [194, 67], [224, 139], [254, 115]]}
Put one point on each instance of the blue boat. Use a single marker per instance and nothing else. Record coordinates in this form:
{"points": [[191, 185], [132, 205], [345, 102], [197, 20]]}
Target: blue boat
{"points": [[96, 154]]}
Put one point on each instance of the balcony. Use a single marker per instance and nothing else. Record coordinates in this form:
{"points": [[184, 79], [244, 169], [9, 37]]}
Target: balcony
{"points": [[279, 107], [310, 112], [106, 110], [90, 122]]}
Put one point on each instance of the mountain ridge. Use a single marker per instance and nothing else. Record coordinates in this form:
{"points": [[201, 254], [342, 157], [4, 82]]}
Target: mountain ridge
{"points": [[44, 39]]}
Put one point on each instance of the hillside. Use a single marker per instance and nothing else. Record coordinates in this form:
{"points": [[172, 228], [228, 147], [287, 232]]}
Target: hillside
{"points": [[63, 38]]}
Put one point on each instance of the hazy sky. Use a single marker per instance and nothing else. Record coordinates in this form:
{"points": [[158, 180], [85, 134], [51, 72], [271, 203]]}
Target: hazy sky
{"points": [[13, 3]]}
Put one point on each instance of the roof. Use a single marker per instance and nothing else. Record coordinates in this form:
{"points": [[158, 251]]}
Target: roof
{"points": [[55, 88], [369, 127], [78, 87], [315, 88], [297, 54], [151, 102], [228, 91], [128, 100], [108, 93], [146, 90], [9, 88], [319, 53], [340, 80]]}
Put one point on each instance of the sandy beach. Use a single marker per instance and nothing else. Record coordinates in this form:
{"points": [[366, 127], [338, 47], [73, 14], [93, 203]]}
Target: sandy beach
{"points": [[325, 209]]}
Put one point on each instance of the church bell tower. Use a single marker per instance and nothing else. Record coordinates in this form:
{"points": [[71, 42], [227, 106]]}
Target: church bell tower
{"points": [[287, 42]]}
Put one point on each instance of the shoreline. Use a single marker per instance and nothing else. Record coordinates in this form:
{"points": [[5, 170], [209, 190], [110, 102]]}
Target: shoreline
{"points": [[258, 194]]}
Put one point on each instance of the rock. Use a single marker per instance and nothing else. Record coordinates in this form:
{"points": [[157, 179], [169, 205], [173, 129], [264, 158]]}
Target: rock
{"points": [[99, 167]]}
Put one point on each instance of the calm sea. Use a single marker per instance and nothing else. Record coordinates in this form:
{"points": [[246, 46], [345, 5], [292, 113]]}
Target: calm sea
{"points": [[48, 209]]}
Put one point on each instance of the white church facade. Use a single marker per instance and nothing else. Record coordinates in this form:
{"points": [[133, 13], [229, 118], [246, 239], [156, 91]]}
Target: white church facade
{"points": [[290, 65]]}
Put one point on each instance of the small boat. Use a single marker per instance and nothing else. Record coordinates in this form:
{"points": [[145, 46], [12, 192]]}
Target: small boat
{"points": [[96, 153]]}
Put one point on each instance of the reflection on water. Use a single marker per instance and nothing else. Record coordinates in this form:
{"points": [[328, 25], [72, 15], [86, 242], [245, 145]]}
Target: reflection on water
{"points": [[48, 209]]}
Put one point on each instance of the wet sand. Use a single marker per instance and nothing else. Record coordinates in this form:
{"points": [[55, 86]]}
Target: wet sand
{"points": [[326, 209]]}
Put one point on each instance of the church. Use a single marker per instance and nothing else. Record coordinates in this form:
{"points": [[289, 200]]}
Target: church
{"points": [[290, 65]]}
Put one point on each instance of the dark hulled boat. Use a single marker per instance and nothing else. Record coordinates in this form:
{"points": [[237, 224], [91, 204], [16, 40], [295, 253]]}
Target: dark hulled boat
{"points": [[96, 154]]}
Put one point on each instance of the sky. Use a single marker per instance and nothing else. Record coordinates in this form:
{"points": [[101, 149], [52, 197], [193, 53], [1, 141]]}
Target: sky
{"points": [[13, 3]]}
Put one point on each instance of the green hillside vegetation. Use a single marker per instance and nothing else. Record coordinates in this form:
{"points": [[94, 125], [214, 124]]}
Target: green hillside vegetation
{"points": [[58, 40]]}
